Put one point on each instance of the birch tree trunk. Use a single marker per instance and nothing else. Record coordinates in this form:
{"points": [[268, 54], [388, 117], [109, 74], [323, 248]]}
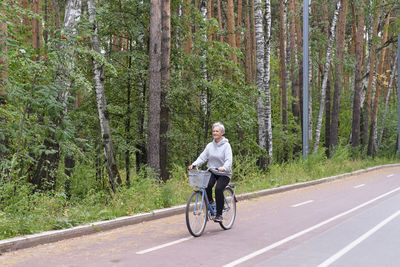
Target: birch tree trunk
{"points": [[359, 40], [267, 78], [44, 174], [260, 72], [326, 73], [165, 76], [340, 45], [106, 137], [153, 133]]}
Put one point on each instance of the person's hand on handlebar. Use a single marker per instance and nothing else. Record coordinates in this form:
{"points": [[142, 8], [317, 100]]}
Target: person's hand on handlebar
{"points": [[191, 167]]}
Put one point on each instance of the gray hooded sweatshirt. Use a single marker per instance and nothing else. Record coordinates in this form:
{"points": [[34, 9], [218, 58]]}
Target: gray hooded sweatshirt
{"points": [[218, 155]]}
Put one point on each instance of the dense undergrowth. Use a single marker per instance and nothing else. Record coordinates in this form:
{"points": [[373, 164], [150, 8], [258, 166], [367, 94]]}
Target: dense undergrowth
{"points": [[25, 211]]}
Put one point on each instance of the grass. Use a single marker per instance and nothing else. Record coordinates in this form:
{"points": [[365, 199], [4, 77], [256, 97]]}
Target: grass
{"points": [[23, 211]]}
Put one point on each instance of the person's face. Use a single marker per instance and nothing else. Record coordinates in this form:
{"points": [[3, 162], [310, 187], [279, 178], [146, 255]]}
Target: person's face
{"points": [[217, 133]]}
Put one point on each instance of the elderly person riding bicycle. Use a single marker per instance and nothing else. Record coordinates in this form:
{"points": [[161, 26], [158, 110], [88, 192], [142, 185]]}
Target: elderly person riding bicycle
{"points": [[218, 153]]}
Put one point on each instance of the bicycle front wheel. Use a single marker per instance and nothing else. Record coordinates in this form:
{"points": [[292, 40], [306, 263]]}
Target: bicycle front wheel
{"points": [[229, 211], [196, 214]]}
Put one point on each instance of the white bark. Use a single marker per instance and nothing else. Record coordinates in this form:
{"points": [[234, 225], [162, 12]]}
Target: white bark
{"points": [[267, 77], [102, 103], [261, 107], [72, 14], [329, 53], [71, 18], [263, 77]]}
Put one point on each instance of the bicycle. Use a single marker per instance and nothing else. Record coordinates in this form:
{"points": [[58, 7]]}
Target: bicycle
{"points": [[198, 208]]}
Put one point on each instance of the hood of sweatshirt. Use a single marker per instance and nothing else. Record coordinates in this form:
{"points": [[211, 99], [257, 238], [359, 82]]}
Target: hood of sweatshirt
{"points": [[222, 142]]}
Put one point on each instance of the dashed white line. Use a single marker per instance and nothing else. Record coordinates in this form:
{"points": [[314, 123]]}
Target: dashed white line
{"points": [[164, 245], [358, 240], [390, 175], [358, 186], [302, 203], [298, 234]]}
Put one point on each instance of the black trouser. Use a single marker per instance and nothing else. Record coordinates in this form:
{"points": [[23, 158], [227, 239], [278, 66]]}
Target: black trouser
{"points": [[222, 182]]}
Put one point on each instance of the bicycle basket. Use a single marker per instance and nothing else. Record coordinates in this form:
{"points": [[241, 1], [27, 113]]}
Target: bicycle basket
{"points": [[199, 178]]}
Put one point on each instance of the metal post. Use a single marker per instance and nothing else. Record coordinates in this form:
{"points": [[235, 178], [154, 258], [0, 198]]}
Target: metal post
{"points": [[305, 77], [398, 93]]}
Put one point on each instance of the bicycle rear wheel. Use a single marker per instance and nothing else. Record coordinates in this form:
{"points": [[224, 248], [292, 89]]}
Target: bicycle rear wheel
{"points": [[196, 214], [229, 211]]}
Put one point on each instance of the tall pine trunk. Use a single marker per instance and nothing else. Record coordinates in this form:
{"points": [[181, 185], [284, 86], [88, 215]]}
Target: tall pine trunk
{"points": [[230, 17], [165, 76], [282, 49], [247, 40], [293, 63], [359, 44], [108, 146], [153, 131]]}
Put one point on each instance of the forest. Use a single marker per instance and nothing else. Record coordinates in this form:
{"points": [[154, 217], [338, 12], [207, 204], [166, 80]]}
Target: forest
{"points": [[109, 101]]}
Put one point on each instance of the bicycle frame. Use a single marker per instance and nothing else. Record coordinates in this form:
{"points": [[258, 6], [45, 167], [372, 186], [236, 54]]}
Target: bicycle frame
{"points": [[204, 198], [212, 208]]}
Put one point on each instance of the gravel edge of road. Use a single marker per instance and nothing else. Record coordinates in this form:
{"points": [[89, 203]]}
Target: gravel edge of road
{"points": [[28, 241]]}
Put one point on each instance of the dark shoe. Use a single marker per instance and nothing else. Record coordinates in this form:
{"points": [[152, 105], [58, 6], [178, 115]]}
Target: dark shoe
{"points": [[218, 218]]}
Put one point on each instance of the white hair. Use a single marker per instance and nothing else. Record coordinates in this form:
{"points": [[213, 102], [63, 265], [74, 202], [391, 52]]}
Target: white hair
{"points": [[220, 125]]}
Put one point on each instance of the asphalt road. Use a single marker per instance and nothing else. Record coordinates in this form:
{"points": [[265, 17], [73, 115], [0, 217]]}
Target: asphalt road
{"points": [[353, 221]]}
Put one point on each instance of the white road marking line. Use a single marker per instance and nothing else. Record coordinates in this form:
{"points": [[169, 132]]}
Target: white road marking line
{"points": [[358, 240], [163, 245], [302, 203], [290, 238], [358, 186], [390, 175]]}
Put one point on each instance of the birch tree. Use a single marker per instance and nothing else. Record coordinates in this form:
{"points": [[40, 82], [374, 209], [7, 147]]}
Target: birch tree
{"points": [[44, 175], [326, 73], [260, 72], [108, 146], [267, 78]]}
